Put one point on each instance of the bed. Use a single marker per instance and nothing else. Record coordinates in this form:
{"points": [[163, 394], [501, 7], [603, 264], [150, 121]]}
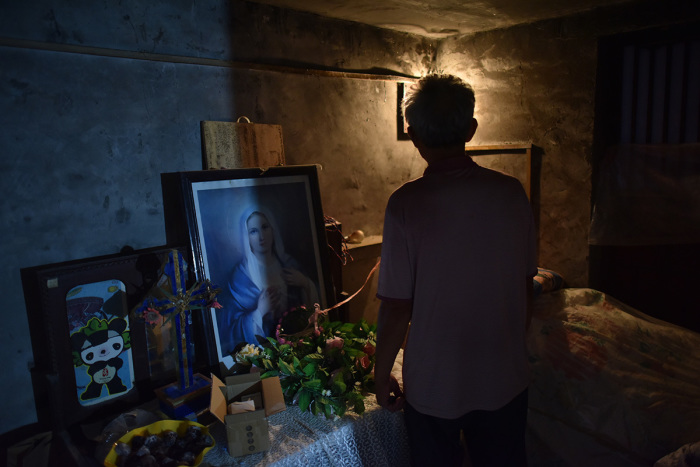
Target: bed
{"points": [[611, 385]]}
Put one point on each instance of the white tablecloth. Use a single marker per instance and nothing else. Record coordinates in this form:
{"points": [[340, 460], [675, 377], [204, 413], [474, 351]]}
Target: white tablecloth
{"points": [[376, 438]]}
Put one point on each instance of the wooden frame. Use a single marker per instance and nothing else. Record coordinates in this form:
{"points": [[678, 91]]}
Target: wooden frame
{"points": [[210, 210], [54, 377]]}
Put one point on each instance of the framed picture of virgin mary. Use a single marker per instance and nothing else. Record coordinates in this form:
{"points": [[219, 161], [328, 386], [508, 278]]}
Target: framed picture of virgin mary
{"points": [[258, 235]]}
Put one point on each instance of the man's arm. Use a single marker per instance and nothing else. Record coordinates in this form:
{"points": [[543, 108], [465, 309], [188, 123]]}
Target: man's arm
{"points": [[392, 324]]}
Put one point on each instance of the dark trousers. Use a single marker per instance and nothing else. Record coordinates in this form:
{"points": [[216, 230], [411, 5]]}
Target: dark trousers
{"points": [[492, 438]]}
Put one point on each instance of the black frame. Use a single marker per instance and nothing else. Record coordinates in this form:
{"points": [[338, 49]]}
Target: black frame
{"points": [[53, 377], [201, 206]]}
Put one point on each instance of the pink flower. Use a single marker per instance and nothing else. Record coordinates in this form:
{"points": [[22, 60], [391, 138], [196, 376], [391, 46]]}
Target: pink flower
{"points": [[335, 343], [363, 362], [369, 349], [152, 316]]}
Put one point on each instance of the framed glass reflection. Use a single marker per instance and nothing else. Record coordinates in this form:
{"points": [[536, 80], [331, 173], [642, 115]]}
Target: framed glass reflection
{"points": [[257, 234], [92, 358]]}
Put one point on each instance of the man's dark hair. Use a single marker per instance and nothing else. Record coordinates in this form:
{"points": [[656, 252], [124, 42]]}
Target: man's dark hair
{"points": [[440, 110]]}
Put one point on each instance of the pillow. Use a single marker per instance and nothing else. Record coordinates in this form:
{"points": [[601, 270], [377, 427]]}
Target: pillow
{"points": [[545, 281]]}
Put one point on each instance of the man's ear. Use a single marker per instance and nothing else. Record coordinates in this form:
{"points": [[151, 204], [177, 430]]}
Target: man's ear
{"points": [[472, 130], [413, 136]]}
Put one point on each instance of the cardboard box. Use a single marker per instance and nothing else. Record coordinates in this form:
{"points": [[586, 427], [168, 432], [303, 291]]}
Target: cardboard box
{"points": [[247, 432]]}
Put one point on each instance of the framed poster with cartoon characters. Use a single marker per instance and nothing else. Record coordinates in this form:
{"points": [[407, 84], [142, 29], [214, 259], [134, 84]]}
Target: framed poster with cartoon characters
{"points": [[92, 357], [98, 324]]}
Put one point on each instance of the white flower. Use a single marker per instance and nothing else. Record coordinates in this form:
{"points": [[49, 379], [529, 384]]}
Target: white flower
{"points": [[249, 350]]}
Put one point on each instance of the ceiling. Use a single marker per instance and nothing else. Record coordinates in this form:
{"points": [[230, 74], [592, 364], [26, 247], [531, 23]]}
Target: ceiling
{"points": [[442, 18]]}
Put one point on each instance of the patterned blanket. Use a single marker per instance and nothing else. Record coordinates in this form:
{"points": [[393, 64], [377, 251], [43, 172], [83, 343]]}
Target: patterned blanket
{"points": [[626, 381]]}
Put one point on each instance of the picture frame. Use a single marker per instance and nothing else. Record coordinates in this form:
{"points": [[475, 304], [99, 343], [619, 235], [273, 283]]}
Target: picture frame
{"points": [[56, 299], [211, 211], [401, 122]]}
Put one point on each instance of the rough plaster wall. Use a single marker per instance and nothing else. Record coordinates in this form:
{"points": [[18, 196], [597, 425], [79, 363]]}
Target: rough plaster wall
{"points": [[85, 137], [536, 83], [82, 154], [289, 37], [347, 127], [528, 89]]}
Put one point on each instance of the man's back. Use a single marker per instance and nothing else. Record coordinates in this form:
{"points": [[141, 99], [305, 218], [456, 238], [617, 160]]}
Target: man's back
{"points": [[460, 244]]}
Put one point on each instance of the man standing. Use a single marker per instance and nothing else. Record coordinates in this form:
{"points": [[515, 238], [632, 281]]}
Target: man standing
{"points": [[458, 257]]}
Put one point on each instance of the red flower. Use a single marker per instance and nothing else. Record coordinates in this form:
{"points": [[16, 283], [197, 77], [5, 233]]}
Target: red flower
{"points": [[369, 349], [363, 362], [152, 316]]}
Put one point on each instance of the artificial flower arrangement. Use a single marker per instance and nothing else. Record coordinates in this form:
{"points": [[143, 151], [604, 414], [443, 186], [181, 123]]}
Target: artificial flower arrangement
{"points": [[324, 367]]}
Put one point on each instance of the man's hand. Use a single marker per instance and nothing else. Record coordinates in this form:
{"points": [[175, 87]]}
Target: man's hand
{"points": [[389, 394], [392, 324]]}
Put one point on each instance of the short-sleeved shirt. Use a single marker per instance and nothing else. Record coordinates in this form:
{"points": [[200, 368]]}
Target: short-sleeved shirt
{"points": [[459, 243]]}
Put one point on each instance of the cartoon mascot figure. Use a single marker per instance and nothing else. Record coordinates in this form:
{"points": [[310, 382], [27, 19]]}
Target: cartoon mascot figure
{"points": [[98, 346]]}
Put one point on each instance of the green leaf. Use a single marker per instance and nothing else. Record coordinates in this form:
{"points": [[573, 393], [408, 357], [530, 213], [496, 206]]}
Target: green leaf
{"points": [[359, 406], [360, 328], [286, 368], [297, 364], [268, 365], [328, 410], [314, 408], [292, 388], [268, 374], [304, 400], [339, 386], [313, 384], [313, 356], [339, 408], [310, 369]]}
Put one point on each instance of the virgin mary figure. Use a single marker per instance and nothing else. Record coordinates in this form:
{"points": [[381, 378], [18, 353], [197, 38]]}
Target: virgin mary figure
{"points": [[266, 283]]}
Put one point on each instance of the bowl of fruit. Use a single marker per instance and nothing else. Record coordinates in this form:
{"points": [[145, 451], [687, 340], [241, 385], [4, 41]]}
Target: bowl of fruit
{"points": [[167, 443]]}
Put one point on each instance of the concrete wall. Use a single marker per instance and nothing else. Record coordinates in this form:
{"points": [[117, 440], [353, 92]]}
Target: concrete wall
{"points": [[537, 83], [528, 88], [98, 98]]}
